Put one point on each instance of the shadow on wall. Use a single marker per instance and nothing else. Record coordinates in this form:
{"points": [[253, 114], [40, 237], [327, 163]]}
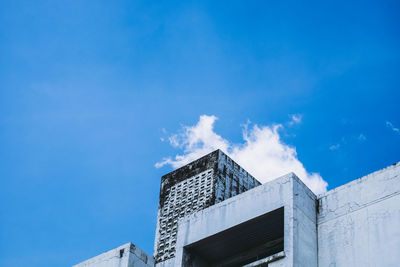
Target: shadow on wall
{"points": [[242, 244]]}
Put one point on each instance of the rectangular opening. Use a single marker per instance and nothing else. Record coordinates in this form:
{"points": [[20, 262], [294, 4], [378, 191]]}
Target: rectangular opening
{"points": [[239, 245]]}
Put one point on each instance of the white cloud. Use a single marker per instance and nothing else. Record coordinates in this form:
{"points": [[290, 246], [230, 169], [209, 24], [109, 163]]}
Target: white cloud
{"points": [[391, 126], [295, 119], [263, 154], [362, 137], [195, 141], [334, 147]]}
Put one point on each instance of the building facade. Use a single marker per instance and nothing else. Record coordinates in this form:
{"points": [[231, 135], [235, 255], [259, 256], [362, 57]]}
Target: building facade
{"points": [[127, 255], [282, 223], [218, 215], [194, 187]]}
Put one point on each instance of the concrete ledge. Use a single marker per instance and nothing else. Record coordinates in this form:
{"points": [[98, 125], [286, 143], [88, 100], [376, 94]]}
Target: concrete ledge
{"points": [[268, 259], [127, 255]]}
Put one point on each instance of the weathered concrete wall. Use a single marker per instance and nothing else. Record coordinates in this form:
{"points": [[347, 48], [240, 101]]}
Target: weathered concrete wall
{"points": [[239, 209], [182, 192], [193, 187], [192, 169], [127, 255], [288, 192], [188, 196], [231, 179], [305, 245], [359, 223]]}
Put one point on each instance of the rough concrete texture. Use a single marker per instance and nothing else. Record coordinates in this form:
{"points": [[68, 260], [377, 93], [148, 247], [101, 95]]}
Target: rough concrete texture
{"points": [[359, 223], [127, 255], [192, 169], [287, 191], [183, 198], [231, 179], [193, 187], [266, 260], [305, 247]]}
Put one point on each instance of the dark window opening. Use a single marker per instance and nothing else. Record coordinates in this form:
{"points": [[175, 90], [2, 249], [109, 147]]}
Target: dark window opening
{"points": [[121, 253], [242, 244]]}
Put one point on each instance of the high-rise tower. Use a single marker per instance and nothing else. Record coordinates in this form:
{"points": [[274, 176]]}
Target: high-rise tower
{"points": [[193, 187]]}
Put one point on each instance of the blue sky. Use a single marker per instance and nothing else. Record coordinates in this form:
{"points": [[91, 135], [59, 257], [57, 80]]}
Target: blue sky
{"points": [[89, 88]]}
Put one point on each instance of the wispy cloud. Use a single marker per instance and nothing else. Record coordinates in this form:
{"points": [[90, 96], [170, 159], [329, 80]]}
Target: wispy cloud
{"points": [[362, 138], [334, 147], [262, 152], [295, 119], [391, 126], [345, 140]]}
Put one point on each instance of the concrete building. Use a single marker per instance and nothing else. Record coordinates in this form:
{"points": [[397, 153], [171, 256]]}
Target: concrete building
{"points": [[282, 223], [194, 187], [127, 255]]}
